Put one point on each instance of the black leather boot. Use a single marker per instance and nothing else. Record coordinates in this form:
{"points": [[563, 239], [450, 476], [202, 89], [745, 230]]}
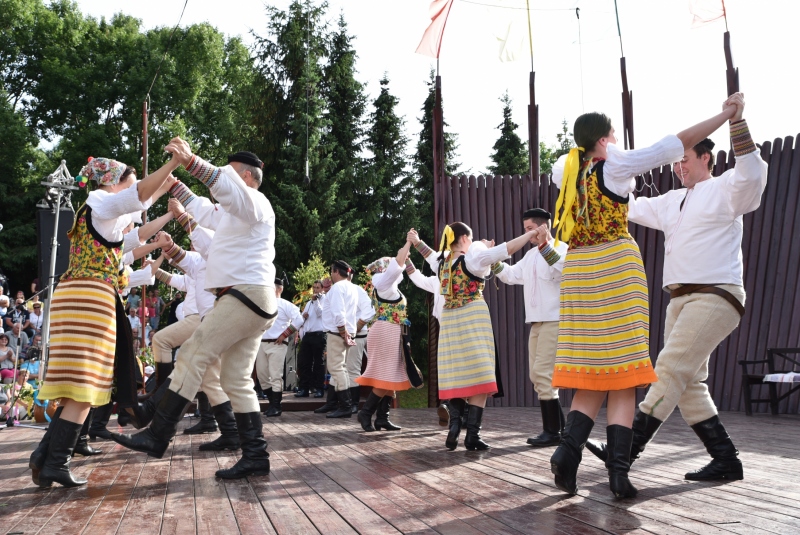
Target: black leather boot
{"points": [[275, 399], [100, 420], [229, 437], [344, 407], [39, 455], [382, 419], [207, 424], [330, 402], [59, 452], [365, 414], [473, 439], [163, 371], [644, 429], [457, 408], [567, 457], [154, 440], [355, 398], [82, 447], [552, 416], [255, 459], [618, 451], [725, 463], [443, 412]]}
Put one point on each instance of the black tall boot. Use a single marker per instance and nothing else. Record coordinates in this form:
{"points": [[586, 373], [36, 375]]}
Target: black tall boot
{"points": [[618, 452], [382, 419], [229, 437], [355, 397], [100, 420], [473, 439], [59, 452], [154, 440], [163, 371], [345, 405], [365, 414], [82, 447], [456, 407], [255, 459], [644, 429], [443, 412], [330, 403], [567, 457], [552, 416], [725, 463], [39, 455], [207, 424], [275, 398]]}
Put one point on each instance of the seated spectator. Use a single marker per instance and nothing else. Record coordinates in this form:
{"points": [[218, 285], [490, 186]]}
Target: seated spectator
{"points": [[133, 318], [134, 300], [31, 367], [17, 314], [34, 351], [7, 359], [16, 336], [4, 304], [23, 394], [36, 317], [150, 334], [21, 296]]}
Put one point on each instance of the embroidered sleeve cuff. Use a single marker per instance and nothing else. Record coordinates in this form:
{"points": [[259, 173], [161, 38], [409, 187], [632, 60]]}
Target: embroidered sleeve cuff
{"points": [[497, 267], [163, 276], [423, 249], [342, 330], [182, 192], [410, 266], [175, 253], [550, 255], [740, 138], [204, 171], [290, 330], [360, 325], [187, 222]]}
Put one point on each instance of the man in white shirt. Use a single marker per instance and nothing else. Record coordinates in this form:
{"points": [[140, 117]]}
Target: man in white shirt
{"points": [[355, 354], [339, 318], [703, 271], [309, 360], [239, 270], [271, 356], [539, 272]]}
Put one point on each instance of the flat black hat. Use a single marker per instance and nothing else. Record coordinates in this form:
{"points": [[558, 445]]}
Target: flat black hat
{"points": [[246, 157], [278, 282], [536, 213]]}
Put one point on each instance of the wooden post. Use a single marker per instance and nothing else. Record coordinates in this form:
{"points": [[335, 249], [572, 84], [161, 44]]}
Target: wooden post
{"points": [[143, 296], [439, 180], [533, 138], [732, 73], [627, 107]]}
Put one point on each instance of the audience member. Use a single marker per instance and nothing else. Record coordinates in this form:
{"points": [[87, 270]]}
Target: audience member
{"points": [[36, 317], [16, 336], [17, 314], [134, 299], [133, 318], [7, 359], [4, 304]]}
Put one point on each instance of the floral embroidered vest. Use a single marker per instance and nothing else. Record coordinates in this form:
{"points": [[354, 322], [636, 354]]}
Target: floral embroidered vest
{"points": [[465, 288], [91, 256], [392, 311], [606, 216]]}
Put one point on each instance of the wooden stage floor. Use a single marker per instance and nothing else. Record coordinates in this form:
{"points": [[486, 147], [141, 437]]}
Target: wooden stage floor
{"points": [[329, 477]]}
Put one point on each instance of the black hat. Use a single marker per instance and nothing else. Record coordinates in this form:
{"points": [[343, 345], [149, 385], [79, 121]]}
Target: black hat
{"points": [[246, 157], [279, 282], [536, 213]]}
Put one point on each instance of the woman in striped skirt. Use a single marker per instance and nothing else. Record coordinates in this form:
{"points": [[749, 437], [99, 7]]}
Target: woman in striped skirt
{"points": [[386, 365], [466, 358], [603, 341], [85, 332]]}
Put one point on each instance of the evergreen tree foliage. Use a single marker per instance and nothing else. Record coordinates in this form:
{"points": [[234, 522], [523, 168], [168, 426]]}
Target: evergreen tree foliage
{"points": [[549, 155], [510, 154]]}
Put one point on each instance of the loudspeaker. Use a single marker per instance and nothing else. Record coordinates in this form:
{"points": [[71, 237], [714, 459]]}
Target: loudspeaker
{"points": [[45, 223]]}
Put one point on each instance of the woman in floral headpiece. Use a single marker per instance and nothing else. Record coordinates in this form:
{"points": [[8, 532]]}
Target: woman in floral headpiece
{"points": [[90, 338], [466, 359]]}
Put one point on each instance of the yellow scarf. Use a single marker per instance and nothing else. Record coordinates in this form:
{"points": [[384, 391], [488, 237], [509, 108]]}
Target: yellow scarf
{"points": [[447, 240], [565, 221]]}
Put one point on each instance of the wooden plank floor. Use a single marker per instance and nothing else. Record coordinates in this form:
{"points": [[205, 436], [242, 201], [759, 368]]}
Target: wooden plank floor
{"points": [[329, 477]]}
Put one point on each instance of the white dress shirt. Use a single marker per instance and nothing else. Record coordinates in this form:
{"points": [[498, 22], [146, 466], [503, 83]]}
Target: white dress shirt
{"points": [[186, 283], [541, 283], [313, 323], [288, 314], [703, 241], [243, 247], [112, 212], [340, 306], [365, 311]]}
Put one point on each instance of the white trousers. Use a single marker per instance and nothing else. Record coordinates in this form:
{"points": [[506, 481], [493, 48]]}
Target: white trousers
{"points": [[336, 359], [167, 339], [542, 346], [269, 365]]}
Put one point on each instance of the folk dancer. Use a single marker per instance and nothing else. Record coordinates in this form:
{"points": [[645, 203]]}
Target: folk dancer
{"points": [[354, 360], [703, 271], [309, 360]]}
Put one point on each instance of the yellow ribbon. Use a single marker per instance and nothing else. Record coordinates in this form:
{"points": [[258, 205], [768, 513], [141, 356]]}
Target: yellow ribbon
{"points": [[565, 221], [447, 240]]}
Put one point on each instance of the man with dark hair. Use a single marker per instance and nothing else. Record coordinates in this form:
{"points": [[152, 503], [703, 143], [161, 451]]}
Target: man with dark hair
{"points": [[339, 318], [703, 271], [309, 361], [539, 272]]}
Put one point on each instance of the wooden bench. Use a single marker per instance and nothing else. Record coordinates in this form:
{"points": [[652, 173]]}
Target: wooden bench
{"points": [[750, 379]]}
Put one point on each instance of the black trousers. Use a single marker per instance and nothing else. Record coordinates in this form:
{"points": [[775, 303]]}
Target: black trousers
{"points": [[309, 361]]}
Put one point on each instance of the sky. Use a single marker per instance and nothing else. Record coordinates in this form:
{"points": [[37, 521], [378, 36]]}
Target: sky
{"points": [[676, 72]]}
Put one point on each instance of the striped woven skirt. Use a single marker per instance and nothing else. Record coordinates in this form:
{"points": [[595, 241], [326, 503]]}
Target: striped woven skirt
{"points": [[386, 366], [466, 352], [83, 336], [604, 327]]}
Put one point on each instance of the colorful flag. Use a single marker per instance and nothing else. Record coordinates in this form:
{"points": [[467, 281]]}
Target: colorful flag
{"points": [[705, 11], [431, 42]]}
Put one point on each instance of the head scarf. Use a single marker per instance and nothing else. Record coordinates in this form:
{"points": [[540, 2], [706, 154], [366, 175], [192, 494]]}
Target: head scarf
{"points": [[378, 266], [104, 171]]}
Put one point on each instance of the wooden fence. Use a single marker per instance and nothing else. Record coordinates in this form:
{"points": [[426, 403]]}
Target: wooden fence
{"points": [[492, 206]]}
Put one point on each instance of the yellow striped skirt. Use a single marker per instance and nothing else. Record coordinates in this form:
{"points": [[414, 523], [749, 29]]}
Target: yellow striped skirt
{"points": [[604, 327], [83, 336], [466, 352]]}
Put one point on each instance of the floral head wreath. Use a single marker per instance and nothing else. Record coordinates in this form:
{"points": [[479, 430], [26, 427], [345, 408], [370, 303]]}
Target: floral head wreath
{"points": [[104, 171]]}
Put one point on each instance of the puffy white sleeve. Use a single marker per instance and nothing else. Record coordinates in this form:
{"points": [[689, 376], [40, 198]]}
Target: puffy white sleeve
{"points": [[386, 283], [141, 277], [644, 211], [178, 281], [127, 258], [296, 317], [201, 239], [480, 258], [745, 183], [558, 170], [113, 205], [622, 166], [429, 284], [131, 241], [513, 274], [191, 262]]}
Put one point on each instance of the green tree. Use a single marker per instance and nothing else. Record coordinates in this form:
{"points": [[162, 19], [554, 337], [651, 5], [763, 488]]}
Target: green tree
{"points": [[510, 154], [549, 155]]}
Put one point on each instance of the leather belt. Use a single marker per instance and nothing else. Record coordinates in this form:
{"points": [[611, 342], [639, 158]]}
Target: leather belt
{"points": [[337, 334], [246, 301], [708, 289], [361, 336], [274, 341]]}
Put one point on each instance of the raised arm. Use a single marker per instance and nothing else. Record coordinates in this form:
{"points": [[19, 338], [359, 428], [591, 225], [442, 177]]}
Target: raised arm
{"points": [[149, 185], [697, 133], [147, 230]]}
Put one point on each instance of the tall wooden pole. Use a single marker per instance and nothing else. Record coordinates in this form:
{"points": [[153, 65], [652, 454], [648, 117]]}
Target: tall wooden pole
{"points": [[533, 136], [439, 185], [143, 291], [627, 106]]}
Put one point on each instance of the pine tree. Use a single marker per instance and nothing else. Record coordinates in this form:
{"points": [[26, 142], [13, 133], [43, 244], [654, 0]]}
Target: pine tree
{"points": [[510, 154], [549, 155]]}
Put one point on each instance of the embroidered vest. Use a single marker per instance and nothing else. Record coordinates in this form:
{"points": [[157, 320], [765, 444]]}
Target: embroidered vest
{"points": [[91, 256], [465, 288], [606, 217], [392, 311]]}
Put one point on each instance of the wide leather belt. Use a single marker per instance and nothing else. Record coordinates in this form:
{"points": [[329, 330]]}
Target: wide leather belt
{"points": [[274, 341], [708, 289]]}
